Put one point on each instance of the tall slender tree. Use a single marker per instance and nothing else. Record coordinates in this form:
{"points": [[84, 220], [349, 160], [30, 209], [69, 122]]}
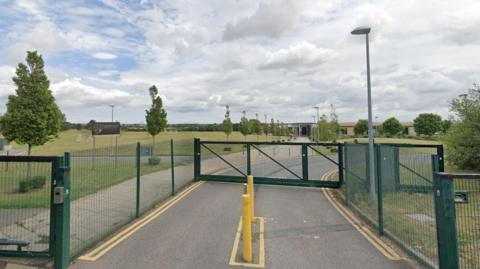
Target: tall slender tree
{"points": [[244, 125], [227, 123], [156, 117], [32, 116]]}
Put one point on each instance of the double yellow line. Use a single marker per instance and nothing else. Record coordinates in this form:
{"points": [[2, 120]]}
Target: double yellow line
{"points": [[381, 246], [99, 251]]}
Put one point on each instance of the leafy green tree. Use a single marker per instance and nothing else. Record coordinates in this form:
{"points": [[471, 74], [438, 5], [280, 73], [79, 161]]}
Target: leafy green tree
{"points": [[32, 116], [256, 127], [361, 127], [446, 124], [227, 123], [327, 129], [427, 124], [392, 126], [244, 126], [463, 137], [156, 117], [273, 127]]}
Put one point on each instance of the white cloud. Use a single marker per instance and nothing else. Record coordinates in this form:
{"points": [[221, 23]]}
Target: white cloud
{"points": [[104, 56], [271, 19], [302, 54]]}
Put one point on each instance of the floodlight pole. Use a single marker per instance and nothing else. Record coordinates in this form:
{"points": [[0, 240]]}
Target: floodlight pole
{"points": [[112, 106], [371, 157]]}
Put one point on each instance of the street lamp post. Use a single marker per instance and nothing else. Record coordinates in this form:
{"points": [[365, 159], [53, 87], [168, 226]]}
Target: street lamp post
{"points": [[318, 119], [112, 106], [313, 125], [365, 31]]}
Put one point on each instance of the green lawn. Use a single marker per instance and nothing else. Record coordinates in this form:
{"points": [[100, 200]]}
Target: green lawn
{"points": [[74, 140], [108, 170]]}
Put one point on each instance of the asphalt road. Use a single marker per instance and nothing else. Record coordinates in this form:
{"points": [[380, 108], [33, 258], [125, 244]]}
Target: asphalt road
{"points": [[302, 230]]}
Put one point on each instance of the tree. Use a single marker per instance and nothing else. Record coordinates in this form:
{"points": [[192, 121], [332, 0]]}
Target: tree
{"points": [[446, 124], [327, 130], [256, 127], [427, 124], [244, 126], [361, 127], [273, 127], [227, 123], [32, 116], [392, 127], [463, 137], [156, 117]]}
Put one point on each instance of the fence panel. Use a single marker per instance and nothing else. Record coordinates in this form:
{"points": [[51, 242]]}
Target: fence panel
{"points": [[467, 209], [407, 199], [103, 193], [25, 200], [357, 190]]}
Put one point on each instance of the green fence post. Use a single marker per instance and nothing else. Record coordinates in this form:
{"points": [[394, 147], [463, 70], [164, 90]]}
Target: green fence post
{"points": [[347, 181], [137, 162], [441, 159], [196, 159], [340, 165], [172, 162], [61, 208], [446, 221], [396, 167], [249, 164], [378, 162], [304, 162]]}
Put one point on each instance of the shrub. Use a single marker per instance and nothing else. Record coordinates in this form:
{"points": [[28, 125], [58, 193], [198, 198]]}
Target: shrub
{"points": [[36, 182], [153, 161]]}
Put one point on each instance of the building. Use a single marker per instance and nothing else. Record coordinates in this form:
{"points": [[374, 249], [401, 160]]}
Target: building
{"points": [[304, 129]]}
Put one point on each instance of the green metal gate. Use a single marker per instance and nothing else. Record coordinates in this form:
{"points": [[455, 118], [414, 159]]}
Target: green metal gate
{"points": [[35, 207], [275, 163]]}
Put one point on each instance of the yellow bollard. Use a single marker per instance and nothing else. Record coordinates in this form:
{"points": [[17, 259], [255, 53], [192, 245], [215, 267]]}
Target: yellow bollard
{"points": [[246, 228], [250, 192]]}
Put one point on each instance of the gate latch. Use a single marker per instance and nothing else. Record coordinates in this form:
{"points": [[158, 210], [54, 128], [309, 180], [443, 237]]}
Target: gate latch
{"points": [[58, 195]]}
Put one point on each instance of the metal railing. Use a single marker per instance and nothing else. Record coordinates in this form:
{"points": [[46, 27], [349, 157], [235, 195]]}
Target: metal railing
{"points": [[276, 163], [402, 206]]}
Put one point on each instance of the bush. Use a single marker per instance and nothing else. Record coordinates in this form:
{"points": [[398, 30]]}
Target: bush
{"points": [[36, 182], [153, 161]]}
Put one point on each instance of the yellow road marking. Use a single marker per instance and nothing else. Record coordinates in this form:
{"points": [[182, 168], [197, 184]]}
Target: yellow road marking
{"points": [[381, 246], [261, 246], [98, 252]]}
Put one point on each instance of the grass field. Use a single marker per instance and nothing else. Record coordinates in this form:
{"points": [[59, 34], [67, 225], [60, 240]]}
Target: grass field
{"points": [[74, 140]]}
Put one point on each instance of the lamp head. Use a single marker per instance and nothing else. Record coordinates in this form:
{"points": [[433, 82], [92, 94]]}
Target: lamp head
{"points": [[362, 30]]}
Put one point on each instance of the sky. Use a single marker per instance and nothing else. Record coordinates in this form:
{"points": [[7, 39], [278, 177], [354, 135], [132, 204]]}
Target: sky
{"points": [[275, 57]]}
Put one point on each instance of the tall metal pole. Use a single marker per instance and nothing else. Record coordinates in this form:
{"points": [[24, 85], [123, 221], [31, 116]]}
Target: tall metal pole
{"points": [[112, 106], [318, 119], [371, 158]]}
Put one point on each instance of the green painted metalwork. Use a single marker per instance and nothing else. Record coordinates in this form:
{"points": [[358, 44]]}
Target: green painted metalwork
{"points": [[196, 158], [61, 249], [304, 162], [402, 209], [291, 162], [446, 222], [273, 181], [137, 196], [378, 164]]}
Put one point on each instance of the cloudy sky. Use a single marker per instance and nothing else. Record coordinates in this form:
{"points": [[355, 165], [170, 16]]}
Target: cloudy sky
{"points": [[275, 57]]}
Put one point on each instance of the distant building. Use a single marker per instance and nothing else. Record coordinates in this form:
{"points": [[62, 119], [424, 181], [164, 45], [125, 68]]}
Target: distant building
{"points": [[304, 129]]}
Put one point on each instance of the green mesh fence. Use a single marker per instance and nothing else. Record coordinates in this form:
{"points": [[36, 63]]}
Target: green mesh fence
{"points": [[25, 191], [406, 179], [467, 209], [103, 186], [405, 211], [357, 182]]}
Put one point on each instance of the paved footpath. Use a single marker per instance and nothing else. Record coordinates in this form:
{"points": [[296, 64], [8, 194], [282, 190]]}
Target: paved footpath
{"points": [[302, 230]]}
